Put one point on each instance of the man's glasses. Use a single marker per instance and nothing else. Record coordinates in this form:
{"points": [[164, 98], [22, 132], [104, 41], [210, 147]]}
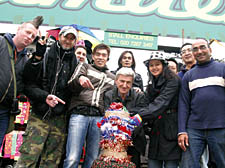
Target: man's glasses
{"points": [[187, 50], [202, 47]]}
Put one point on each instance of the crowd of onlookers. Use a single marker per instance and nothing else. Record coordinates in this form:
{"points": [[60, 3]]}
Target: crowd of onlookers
{"points": [[183, 113]]}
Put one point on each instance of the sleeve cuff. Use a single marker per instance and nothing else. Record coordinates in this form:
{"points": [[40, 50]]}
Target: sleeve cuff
{"points": [[180, 133]]}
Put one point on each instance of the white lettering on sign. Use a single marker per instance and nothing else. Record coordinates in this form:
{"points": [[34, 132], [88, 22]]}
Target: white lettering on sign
{"points": [[211, 11], [193, 9], [35, 2], [131, 40]]}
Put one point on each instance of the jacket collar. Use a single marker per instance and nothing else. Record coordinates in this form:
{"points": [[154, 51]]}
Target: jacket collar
{"points": [[117, 97], [56, 48], [102, 69], [206, 63], [156, 82], [184, 69]]}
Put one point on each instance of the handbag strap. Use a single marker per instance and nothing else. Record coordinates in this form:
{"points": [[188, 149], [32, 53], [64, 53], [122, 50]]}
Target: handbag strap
{"points": [[1, 149], [13, 67]]}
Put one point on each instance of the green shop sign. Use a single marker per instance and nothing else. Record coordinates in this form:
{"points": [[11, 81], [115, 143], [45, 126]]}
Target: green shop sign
{"points": [[128, 40]]}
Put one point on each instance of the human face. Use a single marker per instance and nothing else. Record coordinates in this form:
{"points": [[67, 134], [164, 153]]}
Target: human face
{"points": [[201, 51], [127, 60], [100, 57], [25, 35], [124, 84], [187, 56], [67, 42], [172, 66], [81, 54], [155, 67]]}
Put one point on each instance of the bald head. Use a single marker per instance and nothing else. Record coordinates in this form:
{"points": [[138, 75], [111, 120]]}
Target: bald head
{"points": [[25, 35]]}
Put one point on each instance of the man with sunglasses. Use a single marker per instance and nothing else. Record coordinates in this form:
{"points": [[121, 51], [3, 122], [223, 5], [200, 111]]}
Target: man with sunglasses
{"points": [[201, 110]]}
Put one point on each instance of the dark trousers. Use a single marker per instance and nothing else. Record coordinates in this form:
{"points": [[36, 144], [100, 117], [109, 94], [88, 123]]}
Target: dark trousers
{"points": [[135, 156], [4, 123]]}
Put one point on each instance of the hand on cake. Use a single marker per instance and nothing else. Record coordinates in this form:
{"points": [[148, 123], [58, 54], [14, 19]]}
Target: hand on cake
{"points": [[135, 120]]}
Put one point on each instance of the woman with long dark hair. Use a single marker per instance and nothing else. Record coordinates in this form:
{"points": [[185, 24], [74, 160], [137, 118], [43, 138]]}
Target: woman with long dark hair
{"points": [[161, 113], [126, 59]]}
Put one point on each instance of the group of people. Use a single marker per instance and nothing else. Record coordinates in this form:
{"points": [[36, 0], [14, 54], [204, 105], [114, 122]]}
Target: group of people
{"points": [[182, 112]]}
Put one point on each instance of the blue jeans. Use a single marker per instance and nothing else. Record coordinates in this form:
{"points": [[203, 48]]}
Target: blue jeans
{"points": [[4, 123], [187, 161], [82, 128], [163, 164], [214, 138]]}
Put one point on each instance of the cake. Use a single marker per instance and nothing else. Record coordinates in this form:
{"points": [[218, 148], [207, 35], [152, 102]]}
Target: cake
{"points": [[116, 133]]}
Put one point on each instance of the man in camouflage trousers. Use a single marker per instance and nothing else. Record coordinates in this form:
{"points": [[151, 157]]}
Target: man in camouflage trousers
{"points": [[33, 145], [46, 76]]}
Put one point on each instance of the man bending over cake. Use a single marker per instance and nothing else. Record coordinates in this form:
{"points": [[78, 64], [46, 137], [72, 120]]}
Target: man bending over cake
{"points": [[132, 100]]}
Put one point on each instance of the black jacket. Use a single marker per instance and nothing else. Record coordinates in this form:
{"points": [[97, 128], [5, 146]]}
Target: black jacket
{"points": [[60, 65], [6, 71], [161, 113], [133, 102]]}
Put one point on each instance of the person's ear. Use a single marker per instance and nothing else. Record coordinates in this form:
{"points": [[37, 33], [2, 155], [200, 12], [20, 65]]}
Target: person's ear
{"points": [[210, 49]]}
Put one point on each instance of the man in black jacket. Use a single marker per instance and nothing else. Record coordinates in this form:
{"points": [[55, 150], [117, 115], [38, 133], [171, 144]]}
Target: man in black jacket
{"points": [[46, 86], [13, 57], [133, 101]]}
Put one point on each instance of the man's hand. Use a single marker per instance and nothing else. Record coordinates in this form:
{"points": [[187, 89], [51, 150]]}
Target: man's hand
{"points": [[137, 89], [85, 82], [53, 100], [135, 120], [183, 141], [41, 47]]}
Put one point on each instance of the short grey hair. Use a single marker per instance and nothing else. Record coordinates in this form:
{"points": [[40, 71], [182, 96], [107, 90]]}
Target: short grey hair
{"points": [[126, 72]]}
